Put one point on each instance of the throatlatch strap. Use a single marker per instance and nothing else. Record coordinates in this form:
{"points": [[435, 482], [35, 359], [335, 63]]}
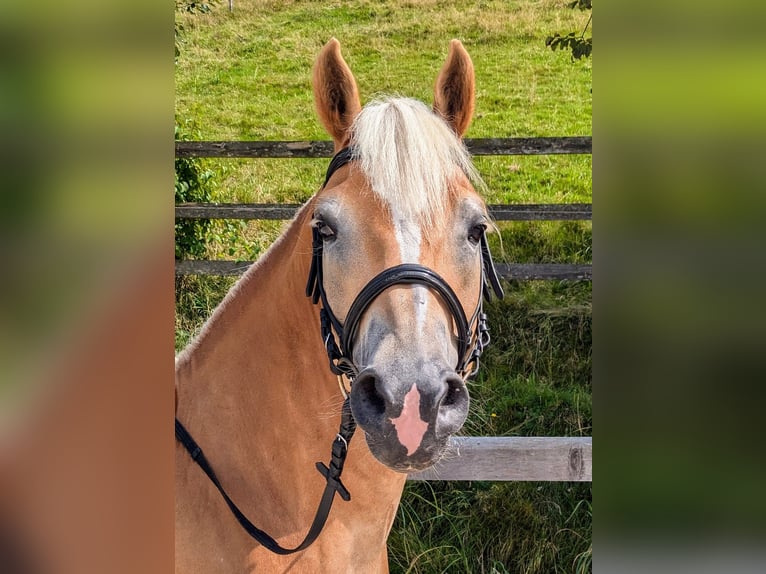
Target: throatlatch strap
{"points": [[490, 273], [331, 473]]}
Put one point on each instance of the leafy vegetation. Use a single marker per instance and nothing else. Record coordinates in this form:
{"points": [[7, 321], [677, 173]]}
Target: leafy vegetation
{"points": [[578, 44], [193, 184], [246, 74], [188, 7], [196, 180]]}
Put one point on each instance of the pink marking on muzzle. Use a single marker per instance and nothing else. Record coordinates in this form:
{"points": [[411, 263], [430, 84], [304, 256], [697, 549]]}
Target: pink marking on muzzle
{"points": [[409, 427]]}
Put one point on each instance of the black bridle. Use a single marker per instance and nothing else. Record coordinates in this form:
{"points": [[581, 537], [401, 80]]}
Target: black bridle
{"points": [[471, 343]]}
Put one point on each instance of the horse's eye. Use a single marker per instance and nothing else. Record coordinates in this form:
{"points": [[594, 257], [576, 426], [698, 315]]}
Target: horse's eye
{"points": [[475, 233], [325, 230]]}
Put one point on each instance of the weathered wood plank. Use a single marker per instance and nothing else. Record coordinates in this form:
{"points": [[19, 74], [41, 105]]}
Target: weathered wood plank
{"points": [[262, 149], [207, 267], [518, 272], [236, 210], [500, 212], [541, 212], [545, 271], [295, 149], [515, 458], [530, 146]]}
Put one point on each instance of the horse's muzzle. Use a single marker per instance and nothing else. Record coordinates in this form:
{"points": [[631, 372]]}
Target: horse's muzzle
{"points": [[408, 420]]}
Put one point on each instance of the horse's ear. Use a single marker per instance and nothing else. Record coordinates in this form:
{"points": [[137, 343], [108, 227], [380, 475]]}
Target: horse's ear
{"points": [[335, 93], [454, 93]]}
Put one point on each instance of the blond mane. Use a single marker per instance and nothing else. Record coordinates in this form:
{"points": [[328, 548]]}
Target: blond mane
{"points": [[410, 157]]}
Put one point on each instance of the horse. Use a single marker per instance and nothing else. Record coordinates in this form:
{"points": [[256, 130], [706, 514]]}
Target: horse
{"points": [[393, 247]]}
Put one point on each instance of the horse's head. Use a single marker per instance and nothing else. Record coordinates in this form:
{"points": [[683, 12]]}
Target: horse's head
{"points": [[400, 229]]}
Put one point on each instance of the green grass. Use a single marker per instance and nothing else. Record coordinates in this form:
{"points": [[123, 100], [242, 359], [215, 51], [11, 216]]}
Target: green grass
{"points": [[246, 75], [492, 528]]}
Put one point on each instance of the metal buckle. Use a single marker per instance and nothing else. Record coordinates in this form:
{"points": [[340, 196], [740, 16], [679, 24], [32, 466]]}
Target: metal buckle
{"points": [[343, 390], [343, 440]]}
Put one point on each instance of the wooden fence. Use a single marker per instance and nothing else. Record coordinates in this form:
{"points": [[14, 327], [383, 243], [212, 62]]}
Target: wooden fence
{"points": [[320, 149], [472, 458], [550, 459]]}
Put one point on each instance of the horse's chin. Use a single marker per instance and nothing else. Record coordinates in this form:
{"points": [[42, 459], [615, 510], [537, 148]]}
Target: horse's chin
{"points": [[395, 456]]}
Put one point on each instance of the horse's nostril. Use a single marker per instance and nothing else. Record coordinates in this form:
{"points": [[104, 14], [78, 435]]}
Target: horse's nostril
{"points": [[456, 393], [453, 407], [452, 396], [371, 399]]}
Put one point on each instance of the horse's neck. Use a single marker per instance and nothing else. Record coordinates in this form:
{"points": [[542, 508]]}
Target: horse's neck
{"points": [[261, 349], [256, 392]]}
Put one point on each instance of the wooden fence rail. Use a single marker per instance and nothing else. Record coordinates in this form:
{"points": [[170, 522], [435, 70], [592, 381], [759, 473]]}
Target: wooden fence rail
{"points": [[552, 459], [304, 149], [509, 271], [500, 212]]}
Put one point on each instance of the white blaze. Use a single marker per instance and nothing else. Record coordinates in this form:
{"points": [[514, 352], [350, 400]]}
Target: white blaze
{"points": [[408, 236]]}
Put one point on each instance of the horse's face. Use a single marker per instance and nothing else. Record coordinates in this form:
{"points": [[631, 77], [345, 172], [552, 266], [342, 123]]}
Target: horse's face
{"points": [[408, 396]]}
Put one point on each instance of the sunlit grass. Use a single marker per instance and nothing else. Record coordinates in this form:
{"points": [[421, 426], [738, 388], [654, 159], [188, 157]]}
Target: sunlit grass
{"points": [[246, 75]]}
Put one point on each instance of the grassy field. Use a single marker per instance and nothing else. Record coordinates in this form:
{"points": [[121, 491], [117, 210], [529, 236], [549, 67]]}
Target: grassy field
{"points": [[246, 75]]}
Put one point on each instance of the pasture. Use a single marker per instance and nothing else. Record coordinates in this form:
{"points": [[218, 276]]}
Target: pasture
{"points": [[245, 75]]}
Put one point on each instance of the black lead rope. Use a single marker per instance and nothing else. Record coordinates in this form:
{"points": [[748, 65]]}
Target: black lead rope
{"points": [[331, 474]]}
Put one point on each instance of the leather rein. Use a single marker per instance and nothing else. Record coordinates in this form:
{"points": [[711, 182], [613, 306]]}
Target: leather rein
{"points": [[472, 338]]}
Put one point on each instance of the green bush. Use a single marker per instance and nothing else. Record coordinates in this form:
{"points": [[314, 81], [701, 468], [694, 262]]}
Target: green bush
{"points": [[194, 183]]}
